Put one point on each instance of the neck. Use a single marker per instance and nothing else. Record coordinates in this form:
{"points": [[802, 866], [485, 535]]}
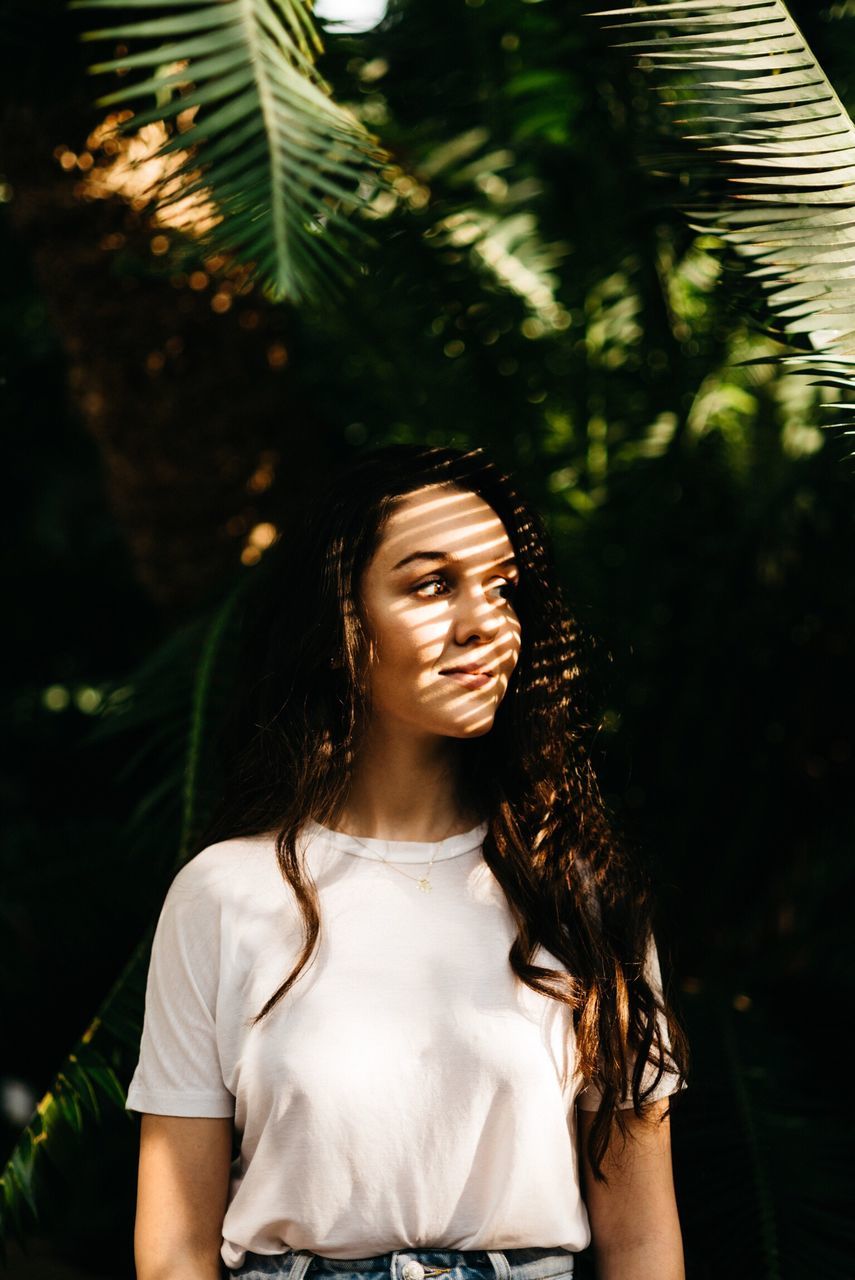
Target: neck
{"points": [[405, 787]]}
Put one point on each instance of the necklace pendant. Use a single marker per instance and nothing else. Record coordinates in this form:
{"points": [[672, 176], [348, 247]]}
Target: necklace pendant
{"points": [[425, 885]]}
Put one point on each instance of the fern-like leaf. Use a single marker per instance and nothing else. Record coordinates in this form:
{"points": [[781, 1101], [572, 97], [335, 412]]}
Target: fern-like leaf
{"points": [[92, 1072], [270, 168], [86, 1078], [756, 102]]}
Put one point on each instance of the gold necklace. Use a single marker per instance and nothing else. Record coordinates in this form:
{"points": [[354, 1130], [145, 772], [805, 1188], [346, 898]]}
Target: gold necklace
{"points": [[422, 881]]}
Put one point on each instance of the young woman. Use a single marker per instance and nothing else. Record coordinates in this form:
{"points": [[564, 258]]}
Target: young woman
{"points": [[404, 1013]]}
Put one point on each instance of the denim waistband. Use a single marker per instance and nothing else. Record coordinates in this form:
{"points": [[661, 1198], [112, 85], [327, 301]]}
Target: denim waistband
{"points": [[529, 1263]]}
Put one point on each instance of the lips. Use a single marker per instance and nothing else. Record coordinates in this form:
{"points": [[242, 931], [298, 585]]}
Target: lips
{"points": [[466, 671], [469, 678]]}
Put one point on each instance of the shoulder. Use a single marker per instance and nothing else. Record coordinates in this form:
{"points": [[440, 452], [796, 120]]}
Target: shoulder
{"points": [[224, 872]]}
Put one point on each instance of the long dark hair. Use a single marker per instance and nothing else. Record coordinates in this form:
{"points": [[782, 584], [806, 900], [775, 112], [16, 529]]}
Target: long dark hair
{"points": [[293, 734]]}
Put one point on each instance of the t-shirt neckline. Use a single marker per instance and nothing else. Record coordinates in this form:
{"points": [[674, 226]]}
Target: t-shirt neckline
{"points": [[417, 851]]}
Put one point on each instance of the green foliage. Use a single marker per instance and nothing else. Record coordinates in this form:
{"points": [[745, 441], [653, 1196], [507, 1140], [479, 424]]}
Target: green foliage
{"points": [[540, 292], [89, 1077], [93, 1072], [772, 162], [270, 166]]}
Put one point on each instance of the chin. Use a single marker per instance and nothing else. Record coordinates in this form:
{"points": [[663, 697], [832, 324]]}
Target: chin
{"points": [[470, 731]]}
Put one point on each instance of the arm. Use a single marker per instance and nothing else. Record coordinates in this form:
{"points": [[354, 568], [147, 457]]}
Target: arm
{"points": [[182, 1194], [634, 1222]]}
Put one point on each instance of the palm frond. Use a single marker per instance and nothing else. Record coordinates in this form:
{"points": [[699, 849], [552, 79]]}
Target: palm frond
{"points": [[92, 1073], [264, 165], [494, 220], [88, 1077], [756, 103], [194, 793]]}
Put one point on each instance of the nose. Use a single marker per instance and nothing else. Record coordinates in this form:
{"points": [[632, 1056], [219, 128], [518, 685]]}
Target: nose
{"points": [[477, 615]]}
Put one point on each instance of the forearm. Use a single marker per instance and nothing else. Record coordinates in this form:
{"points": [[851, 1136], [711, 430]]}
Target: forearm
{"points": [[169, 1271], [198, 1267], [635, 1226], [182, 1195], [656, 1256]]}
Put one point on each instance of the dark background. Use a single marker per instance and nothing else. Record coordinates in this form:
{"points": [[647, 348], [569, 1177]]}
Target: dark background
{"points": [[534, 291]]}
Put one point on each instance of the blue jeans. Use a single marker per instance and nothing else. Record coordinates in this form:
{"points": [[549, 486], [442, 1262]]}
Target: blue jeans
{"points": [[551, 1263]]}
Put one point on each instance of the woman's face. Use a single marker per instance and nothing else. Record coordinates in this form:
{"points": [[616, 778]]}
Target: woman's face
{"points": [[438, 594]]}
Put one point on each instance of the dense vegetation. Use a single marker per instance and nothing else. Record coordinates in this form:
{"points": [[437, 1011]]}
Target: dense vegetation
{"points": [[536, 286]]}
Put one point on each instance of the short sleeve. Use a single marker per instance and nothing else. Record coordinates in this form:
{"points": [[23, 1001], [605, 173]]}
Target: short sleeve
{"points": [[589, 1097], [178, 1072]]}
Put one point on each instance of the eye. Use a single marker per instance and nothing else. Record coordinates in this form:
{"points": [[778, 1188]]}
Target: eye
{"points": [[510, 587], [503, 584], [436, 580]]}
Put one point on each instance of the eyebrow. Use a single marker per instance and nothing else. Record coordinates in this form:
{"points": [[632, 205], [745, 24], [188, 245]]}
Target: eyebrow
{"points": [[443, 557]]}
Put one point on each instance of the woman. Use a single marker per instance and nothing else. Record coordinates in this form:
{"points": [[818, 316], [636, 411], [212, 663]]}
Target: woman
{"points": [[410, 970]]}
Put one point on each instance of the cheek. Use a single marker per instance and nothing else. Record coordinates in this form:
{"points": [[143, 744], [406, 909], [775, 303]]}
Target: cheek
{"points": [[409, 638], [513, 639]]}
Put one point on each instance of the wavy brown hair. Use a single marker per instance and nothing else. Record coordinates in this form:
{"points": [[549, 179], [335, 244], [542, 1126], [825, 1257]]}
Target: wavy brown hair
{"points": [[292, 735]]}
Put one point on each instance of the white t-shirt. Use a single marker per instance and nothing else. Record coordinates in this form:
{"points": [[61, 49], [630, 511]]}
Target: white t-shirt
{"points": [[407, 1092]]}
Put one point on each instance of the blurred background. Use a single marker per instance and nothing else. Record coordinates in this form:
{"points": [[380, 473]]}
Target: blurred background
{"points": [[534, 291]]}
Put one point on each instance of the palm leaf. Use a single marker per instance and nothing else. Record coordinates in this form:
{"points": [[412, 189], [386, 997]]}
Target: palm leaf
{"points": [[270, 168], [105, 1053], [87, 1077], [772, 136], [500, 233]]}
